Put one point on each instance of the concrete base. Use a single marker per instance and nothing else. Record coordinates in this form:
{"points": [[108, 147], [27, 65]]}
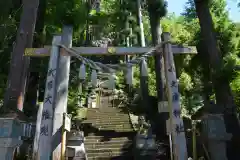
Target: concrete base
{"points": [[214, 148], [8, 147]]}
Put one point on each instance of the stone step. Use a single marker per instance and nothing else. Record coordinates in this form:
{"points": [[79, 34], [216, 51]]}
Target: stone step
{"points": [[111, 145], [106, 121], [117, 129], [112, 138], [106, 110], [121, 157], [107, 113], [111, 142], [108, 153], [102, 122], [107, 150], [106, 135], [118, 126], [111, 116], [108, 118]]}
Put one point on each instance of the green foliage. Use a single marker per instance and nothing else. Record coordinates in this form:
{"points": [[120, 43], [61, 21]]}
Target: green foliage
{"points": [[227, 35]]}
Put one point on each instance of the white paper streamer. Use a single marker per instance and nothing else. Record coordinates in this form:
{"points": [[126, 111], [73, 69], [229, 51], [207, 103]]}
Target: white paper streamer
{"points": [[82, 72], [111, 82], [129, 76], [144, 68], [94, 78]]}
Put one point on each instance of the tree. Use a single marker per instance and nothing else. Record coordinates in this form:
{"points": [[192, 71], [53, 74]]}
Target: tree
{"points": [[17, 80], [157, 10], [224, 95]]}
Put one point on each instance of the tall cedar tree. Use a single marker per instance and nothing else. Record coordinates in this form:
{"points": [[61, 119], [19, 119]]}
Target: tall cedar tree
{"points": [[157, 10], [223, 92]]}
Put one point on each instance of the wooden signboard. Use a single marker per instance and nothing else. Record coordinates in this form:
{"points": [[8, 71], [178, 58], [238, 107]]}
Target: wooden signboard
{"points": [[67, 122]]}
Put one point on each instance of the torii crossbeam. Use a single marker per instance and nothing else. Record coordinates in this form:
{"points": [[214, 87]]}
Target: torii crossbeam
{"points": [[176, 49]]}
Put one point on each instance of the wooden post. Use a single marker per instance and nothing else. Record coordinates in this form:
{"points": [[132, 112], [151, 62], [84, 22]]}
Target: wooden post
{"points": [[144, 84], [37, 131], [60, 101], [63, 144], [194, 139], [45, 138], [176, 123], [81, 78]]}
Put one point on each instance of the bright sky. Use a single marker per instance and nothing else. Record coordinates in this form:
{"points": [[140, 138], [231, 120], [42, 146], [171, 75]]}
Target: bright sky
{"points": [[177, 6]]}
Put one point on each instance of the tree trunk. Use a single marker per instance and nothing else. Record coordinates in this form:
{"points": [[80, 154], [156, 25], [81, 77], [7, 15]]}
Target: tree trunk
{"points": [[206, 78], [33, 84], [223, 92], [156, 39], [141, 37], [88, 39], [14, 96]]}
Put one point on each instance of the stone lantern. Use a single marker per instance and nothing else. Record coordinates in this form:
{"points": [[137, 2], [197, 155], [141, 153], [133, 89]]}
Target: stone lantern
{"points": [[75, 145], [213, 131], [11, 131]]}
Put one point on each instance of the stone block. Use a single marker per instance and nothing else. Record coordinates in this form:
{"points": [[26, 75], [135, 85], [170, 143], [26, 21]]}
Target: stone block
{"points": [[214, 127], [10, 128]]}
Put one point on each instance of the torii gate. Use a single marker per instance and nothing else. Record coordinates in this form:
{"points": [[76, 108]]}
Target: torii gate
{"points": [[56, 92]]}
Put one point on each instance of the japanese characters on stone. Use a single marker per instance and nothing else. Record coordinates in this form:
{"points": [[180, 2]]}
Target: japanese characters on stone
{"points": [[175, 97], [177, 113], [178, 124], [51, 75], [174, 84], [48, 101], [179, 128], [171, 69], [44, 130], [46, 115]]}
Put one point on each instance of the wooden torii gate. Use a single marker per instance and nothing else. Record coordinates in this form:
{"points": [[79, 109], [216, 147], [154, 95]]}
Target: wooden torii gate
{"points": [[55, 105]]}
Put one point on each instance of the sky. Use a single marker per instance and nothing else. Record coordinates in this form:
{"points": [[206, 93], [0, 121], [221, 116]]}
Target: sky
{"points": [[177, 6]]}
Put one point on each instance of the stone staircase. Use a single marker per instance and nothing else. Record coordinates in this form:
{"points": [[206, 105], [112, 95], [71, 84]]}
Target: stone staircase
{"points": [[108, 133]]}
